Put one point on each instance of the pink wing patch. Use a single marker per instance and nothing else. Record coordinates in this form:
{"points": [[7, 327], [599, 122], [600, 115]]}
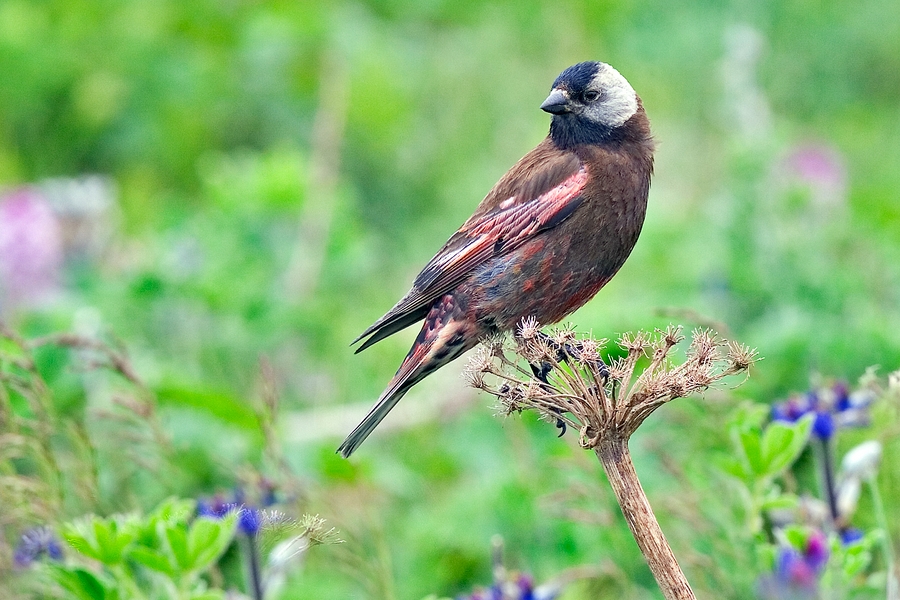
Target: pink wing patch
{"points": [[497, 232], [504, 230], [528, 217]]}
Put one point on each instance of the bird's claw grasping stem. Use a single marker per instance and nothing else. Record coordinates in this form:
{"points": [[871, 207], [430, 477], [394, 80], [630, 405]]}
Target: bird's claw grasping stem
{"points": [[540, 372]]}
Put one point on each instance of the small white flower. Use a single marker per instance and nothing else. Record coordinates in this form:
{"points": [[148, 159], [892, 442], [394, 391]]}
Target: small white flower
{"points": [[894, 382], [848, 496], [862, 461]]}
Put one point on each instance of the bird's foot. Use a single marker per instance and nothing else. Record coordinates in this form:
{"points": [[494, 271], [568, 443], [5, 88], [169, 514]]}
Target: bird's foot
{"points": [[566, 350], [561, 425], [602, 368], [540, 372], [561, 350]]}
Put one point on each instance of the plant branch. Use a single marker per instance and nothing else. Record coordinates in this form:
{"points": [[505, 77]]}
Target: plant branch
{"points": [[616, 460]]}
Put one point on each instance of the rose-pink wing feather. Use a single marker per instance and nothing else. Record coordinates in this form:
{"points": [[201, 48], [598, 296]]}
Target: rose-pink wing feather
{"points": [[496, 232]]}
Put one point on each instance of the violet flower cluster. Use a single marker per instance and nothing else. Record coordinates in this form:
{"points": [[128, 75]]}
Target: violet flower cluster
{"points": [[833, 407], [515, 586], [797, 573], [35, 544]]}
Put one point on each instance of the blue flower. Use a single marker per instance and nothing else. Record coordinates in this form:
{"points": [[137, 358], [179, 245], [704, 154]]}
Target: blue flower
{"points": [[841, 396], [791, 410], [250, 520], [832, 407], [851, 535], [823, 426], [36, 543]]}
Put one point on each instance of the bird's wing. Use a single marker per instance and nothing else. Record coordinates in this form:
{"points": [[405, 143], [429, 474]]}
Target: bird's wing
{"points": [[488, 234]]}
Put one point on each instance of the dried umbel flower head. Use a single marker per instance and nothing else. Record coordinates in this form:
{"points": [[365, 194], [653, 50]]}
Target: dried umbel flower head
{"points": [[563, 377]]}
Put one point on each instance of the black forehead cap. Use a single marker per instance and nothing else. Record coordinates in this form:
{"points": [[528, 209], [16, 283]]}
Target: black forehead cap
{"points": [[577, 77]]}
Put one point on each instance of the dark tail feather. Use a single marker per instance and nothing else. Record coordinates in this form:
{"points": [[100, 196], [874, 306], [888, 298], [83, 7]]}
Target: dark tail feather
{"points": [[389, 327], [431, 350], [388, 400], [416, 368]]}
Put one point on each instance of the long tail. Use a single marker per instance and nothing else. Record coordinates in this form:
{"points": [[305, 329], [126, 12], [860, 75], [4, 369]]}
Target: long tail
{"points": [[445, 335]]}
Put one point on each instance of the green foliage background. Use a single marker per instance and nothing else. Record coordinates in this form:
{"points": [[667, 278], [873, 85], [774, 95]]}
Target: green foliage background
{"points": [[284, 168]]}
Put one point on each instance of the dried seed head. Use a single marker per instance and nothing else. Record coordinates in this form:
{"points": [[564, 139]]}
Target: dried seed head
{"points": [[672, 335], [564, 334], [495, 344], [571, 391], [589, 350], [529, 328], [634, 343], [741, 357], [475, 379], [482, 361], [703, 346], [618, 369], [511, 398]]}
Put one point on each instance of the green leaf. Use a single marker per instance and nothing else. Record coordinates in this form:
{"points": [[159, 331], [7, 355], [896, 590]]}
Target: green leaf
{"points": [[782, 443], [152, 559], [796, 536], [176, 543], [169, 512], [750, 445], [856, 562], [748, 415], [775, 500], [208, 539], [122, 531], [734, 467], [79, 536], [765, 555], [174, 509], [104, 537], [207, 595], [79, 582]]}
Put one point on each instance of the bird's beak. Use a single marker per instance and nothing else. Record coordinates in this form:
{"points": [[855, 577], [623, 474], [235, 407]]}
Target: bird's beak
{"points": [[556, 103]]}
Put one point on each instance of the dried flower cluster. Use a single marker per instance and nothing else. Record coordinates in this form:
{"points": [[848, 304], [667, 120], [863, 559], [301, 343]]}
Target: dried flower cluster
{"points": [[568, 381]]}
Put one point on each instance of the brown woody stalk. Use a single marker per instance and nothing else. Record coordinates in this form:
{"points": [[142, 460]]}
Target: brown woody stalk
{"points": [[607, 404]]}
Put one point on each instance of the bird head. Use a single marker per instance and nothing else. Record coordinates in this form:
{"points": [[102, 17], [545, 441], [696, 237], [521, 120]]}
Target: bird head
{"points": [[589, 102]]}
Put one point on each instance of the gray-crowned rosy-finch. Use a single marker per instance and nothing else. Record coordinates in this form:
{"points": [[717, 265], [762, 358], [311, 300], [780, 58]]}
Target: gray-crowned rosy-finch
{"points": [[544, 240]]}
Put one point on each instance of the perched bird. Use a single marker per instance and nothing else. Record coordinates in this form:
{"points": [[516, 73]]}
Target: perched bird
{"points": [[546, 238]]}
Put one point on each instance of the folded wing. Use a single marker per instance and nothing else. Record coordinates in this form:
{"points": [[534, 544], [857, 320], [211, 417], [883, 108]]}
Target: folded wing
{"points": [[497, 231]]}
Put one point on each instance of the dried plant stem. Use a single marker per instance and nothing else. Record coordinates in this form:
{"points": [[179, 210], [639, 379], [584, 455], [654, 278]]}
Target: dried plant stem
{"points": [[607, 403], [616, 460]]}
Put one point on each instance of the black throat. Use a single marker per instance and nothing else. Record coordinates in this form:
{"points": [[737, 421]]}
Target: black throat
{"points": [[568, 131]]}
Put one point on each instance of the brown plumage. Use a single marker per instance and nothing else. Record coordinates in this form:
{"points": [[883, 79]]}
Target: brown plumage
{"points": [[546, 238]]}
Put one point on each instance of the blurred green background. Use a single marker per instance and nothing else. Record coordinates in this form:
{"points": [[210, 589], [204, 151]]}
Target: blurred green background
{"points": [[215, 182]]}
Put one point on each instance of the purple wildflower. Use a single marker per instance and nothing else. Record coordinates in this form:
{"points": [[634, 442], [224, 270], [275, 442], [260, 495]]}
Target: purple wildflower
{"points": [[833, 407], [816, 552], [515, 586], [841, 396], [36, 543], [791, 410], [216, 507], [820, 167], [31, 249], [796, 573], [250, 520]]}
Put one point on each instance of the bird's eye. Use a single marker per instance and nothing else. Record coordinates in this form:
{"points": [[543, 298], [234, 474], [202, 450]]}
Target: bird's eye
{"points": [[591, 96]]}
